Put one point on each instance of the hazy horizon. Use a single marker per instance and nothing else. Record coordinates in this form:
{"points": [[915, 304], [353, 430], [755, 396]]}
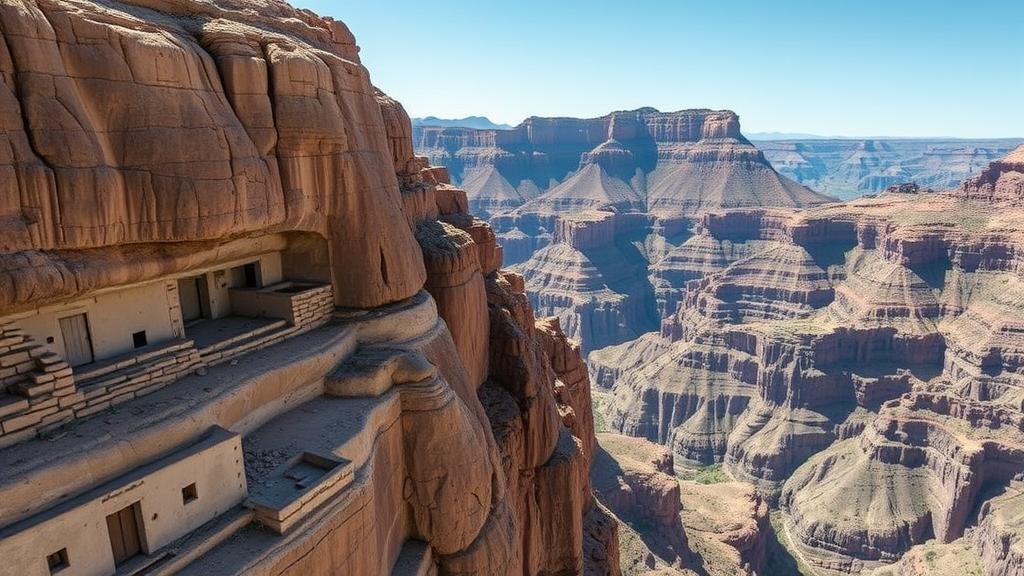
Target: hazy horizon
{"points": [[766, 135], [898, 70]]}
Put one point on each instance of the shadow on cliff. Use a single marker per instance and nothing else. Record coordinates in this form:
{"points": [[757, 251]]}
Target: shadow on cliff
{"points": [[614, 490]]}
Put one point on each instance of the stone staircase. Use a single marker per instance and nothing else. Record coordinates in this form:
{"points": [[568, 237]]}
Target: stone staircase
{"points": [[110, 382], [260, 337]]}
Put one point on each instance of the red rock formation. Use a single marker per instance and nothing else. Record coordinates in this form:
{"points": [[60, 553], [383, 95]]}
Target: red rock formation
{"points": [[862, 361], [1002, 182], [150, 138], [230, 129]]}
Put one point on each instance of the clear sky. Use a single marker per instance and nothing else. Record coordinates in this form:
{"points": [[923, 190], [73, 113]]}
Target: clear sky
{"points": [[830, 67]]}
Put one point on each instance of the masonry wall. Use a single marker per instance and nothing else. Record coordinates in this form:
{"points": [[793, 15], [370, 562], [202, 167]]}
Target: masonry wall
{"points": [[214, 465], [113, 318]]}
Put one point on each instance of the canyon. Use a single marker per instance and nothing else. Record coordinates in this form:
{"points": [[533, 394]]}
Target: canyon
{"points": [[856, 364], [582, 206], [256, 320], [849, 167]]}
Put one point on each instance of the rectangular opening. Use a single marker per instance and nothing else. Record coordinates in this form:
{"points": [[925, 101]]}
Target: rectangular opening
{"points": [[139, 339], [194, 298], [252, 275], [77, 341], [189, 494], [58, 561], [123, 529]]}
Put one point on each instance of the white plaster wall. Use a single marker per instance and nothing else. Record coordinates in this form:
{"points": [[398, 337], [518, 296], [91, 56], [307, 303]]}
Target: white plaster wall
{"points": [[81, 527], [113, 317]]}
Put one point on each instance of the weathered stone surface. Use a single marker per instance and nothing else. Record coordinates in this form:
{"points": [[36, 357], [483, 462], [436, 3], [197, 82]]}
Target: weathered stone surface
{"points": [[859, 363], [147, 138], [538, 401], [128, 127]]}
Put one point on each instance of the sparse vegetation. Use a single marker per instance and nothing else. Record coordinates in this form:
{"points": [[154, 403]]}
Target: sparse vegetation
{"points": [[598, 408], [712, 474]]}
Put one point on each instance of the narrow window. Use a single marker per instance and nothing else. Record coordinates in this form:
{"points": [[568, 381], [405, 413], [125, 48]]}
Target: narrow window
{"points": [[139, 339], [189, 494], [58, 561]]}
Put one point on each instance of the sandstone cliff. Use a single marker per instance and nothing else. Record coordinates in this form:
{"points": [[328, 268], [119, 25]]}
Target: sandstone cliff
{"points": [[585, 207], [859, 363], [151, 140]]}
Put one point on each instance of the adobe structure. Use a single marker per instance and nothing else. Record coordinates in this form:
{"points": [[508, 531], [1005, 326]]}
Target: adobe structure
{"points": [[244, 330]]}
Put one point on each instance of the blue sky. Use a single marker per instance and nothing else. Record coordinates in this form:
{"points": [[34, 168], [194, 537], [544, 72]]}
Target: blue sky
{"points": [[830, 67]]}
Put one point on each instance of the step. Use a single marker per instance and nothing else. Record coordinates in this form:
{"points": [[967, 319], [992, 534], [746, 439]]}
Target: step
{"points": [[229, 342], [11, 405], [141, 356], [244, 346], [126, 370]]}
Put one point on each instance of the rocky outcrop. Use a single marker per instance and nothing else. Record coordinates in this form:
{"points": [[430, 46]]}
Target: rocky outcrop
{"points": [[728, 527], [147, 139], [668, 526], [596, 287], [635, 481], [1002, 182]]}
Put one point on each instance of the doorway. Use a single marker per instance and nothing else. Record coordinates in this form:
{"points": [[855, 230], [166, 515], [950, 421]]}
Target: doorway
{"points": [[123, 528], [77, 342], [194, 297]]}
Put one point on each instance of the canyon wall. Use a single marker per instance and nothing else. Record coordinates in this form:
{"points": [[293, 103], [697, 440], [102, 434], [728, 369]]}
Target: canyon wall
{"points": [[584, 207], [859, 363], [849, 167], [444, 428]]}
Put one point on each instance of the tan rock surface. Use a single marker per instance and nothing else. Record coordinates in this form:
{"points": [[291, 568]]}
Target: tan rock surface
{"points": [[148, 138], [860, 360], [195, 126]]}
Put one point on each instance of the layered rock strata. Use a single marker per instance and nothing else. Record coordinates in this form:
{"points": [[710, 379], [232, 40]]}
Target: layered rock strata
{"points": [[586, 207], [236, 154], [860, 363], [848, 168], [668, 526]]}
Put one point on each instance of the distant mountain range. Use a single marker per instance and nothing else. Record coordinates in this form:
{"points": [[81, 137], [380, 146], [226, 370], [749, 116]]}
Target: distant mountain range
{"points": [[787, 136], [477, 122], [774, 136], [841, 166], [851, 167]]}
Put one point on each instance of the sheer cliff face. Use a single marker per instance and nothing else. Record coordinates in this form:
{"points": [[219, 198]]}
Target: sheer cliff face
{"points": [[149, 138], [148, 122], [669, 164], [861, 364], [586, 207]]}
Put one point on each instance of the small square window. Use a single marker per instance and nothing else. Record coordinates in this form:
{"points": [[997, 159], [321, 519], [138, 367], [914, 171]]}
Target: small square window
{"points": [[58, 561], [189, 494], [139, 339]]}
